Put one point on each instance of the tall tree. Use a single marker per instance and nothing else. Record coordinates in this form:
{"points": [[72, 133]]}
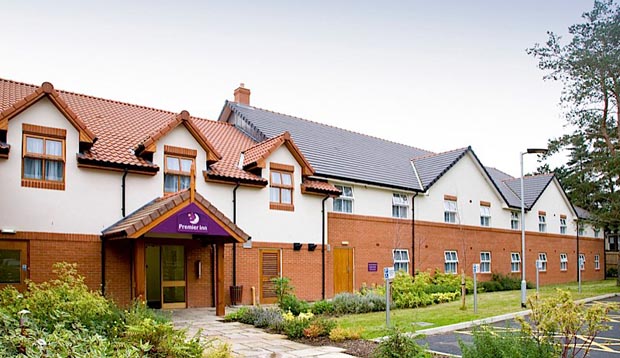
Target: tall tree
{"points": [[589, 68]]}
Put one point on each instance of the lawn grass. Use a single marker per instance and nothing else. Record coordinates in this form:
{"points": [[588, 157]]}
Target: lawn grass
{"points": [[489, 305]]}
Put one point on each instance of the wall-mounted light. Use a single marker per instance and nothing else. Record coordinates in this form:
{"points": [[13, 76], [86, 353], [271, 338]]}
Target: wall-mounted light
{"points": [[311, 247], [248, 244], [6, 230], [345, 243], [297, 246]]}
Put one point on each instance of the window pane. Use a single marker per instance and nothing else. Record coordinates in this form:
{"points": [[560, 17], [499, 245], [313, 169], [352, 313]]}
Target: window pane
{"points": [[185, 182], [33, 168], [347, 206], [53, 170], [338, 205], [276, 179], [173, 163], [274, 195], [286, 196], [53, 147], [174, 294], [347, 191], [34, 145], [9, 266], [286, 179], [186, 165], [171, 183]]}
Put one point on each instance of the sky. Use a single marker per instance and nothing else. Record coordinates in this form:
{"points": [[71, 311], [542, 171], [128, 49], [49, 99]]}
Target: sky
{"points": [[437, 75]]}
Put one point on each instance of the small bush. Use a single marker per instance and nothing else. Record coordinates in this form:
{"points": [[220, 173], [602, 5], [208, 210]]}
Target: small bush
{"points": [[489, 343], [294, 326], [293, 304], [400, 345], [339, 334], [612, 272], [322, 307], [267, 317], [319, 326], [346, 303]]}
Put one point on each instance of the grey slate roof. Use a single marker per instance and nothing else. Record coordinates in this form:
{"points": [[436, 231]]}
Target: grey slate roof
{"points": [[582, 213], [510, 187], [432, 166], [339, 153]]}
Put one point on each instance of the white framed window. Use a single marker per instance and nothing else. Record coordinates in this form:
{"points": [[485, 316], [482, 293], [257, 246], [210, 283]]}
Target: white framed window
{"points": [[542, 257], [514, 220], [597, 232], [581, 230], [400, 205], [451, 262], [563, 262], [562, 225], [449, 211], [344, 203], [485, 215], [582, 262], [485, 262], [515, 262], [401, 260], [597, 262], [542, 222]]}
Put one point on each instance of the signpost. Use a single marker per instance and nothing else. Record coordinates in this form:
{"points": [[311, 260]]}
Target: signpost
{"points": [[476, 269], [388, 275], [538, 268], [581, 263]]}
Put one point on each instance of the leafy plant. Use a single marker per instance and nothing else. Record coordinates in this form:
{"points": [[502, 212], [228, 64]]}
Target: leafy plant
{"points": [[339, 334], [293, 304], [400, 345], [283, 287], [345, 303], [322, 307], [562, 316], [490, 343], [319, 326], [294, 326]]}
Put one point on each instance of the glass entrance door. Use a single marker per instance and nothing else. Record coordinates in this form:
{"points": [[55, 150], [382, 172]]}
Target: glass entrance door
{"points": [[173, 276]]}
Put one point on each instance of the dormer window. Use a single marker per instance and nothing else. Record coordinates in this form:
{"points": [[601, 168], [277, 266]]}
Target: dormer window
{"points": [[43, 152], [177, 168]]}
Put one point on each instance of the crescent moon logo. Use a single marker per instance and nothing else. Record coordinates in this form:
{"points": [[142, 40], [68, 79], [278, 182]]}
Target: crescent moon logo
{"points": [[194, 218]]}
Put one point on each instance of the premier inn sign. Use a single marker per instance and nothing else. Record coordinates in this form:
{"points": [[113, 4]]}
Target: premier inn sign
{"points": [[190, 220]]}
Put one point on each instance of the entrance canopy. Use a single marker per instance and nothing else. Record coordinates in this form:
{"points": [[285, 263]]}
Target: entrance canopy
{"points": [[178, 214]]}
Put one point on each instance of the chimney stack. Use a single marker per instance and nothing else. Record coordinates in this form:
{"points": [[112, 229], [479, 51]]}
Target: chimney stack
{"points": [[242, 95]]}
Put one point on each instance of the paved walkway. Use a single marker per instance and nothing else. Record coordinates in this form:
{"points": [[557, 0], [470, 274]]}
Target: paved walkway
{"points": [[246, 340]]}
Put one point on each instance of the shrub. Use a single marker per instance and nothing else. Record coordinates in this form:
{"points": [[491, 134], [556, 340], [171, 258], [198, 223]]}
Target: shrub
{"points": [[283, 287], [62, 318], [319, 326], [322, 307], [294, 326], [612, 272], [346, 303], [400, 345], [501, 282], [339, 334], [293, 304], [489, 343], [267, 317]]}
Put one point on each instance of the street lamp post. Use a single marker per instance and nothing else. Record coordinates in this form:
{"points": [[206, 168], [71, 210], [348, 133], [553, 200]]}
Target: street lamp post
{"points": [[523, 282]]}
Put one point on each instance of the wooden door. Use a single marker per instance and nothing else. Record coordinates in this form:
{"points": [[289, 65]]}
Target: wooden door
{"points": [[13, 264], [343, 270], [173, 279], [269, 269]]}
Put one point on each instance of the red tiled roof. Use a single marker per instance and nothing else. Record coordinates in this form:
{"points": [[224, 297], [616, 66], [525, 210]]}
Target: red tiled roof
{"points": [[121, 128], [256, 155], [321, 187], [11, 109], [150, 212]]}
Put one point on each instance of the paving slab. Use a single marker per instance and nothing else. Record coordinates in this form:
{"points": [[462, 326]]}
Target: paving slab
{"points": [[246, 340]]}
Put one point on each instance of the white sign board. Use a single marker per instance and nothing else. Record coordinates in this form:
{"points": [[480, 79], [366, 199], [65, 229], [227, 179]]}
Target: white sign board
{"points": [[476, 268], [388, 273], [539, 264]]}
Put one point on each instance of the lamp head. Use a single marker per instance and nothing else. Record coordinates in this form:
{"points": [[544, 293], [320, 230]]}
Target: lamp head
{"points": [[537, 150]]}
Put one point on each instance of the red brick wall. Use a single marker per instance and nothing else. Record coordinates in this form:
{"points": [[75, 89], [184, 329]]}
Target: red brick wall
{"points": [[118, 271], [373, 239]]}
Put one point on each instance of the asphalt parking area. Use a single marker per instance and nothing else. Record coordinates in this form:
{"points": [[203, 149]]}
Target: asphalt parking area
{"points": [[605, 345]]}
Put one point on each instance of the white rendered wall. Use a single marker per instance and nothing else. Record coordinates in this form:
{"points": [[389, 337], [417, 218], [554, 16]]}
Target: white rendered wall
{"points": [[469, 184], [91, 199], [263, 224], [370, 200]]}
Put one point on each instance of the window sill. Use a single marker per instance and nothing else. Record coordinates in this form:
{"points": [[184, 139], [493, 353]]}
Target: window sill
{"points": [[283, 207], [42, 184]]}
